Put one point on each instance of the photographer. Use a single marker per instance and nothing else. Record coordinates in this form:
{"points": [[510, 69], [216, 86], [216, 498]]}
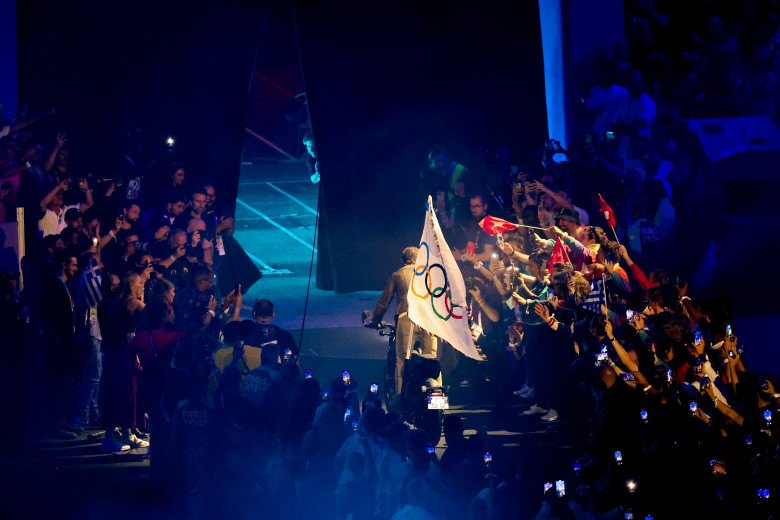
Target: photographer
{"points": [[180, 259], [196, 305], [131, 213], [201, 242]]}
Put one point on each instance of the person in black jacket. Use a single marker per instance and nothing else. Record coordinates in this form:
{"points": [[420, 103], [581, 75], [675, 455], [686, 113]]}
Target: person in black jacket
{"points": [[61, 354]]}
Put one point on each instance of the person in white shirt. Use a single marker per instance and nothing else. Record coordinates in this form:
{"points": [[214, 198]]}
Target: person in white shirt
{"points": [[416, 493], [52, 216], [605, 98], [636, 114]]}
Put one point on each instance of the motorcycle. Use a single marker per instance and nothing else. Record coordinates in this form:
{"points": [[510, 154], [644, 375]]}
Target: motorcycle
{"points": [[422, 398]]}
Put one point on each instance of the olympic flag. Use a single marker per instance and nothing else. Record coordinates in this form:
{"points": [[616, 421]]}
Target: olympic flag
{"points": [[437, 294]]}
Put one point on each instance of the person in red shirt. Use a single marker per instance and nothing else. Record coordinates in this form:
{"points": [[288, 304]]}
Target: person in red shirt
{"points": [[153, 348]]}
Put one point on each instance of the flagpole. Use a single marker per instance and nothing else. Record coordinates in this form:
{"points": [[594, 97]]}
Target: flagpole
{"points": [[531, 227], [615, 232]]}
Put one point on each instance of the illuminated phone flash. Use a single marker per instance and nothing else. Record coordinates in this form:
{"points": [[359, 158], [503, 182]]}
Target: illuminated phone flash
{"points": [[169, 141], [631, 485]]}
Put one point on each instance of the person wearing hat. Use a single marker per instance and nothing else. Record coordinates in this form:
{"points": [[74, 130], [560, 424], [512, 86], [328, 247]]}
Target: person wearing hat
{"points": [[73, 218], [583, 242], [569, 220], [567, 223]]}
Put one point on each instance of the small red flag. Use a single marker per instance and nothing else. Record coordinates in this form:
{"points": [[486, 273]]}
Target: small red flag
{"points": [[608, 213], [558, 255], [493, 226]]}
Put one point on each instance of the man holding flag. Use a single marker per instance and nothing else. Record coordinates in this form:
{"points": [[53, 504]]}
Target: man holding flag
{"points": [[437, 292], [406, 332]]}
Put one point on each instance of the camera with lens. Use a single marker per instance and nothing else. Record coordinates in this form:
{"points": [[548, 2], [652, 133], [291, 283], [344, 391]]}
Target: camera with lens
{"points": [[470, 282], [206, 235], [118, 179], [143, 247]]}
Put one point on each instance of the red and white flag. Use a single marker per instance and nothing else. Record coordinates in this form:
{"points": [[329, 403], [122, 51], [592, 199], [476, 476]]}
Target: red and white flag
{"points": [[608, 213], [437, 293], [559, 254], [493, 226]]}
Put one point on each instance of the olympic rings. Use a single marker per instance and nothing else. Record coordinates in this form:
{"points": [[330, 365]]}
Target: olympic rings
{"points": [[433, 306], [447, 300], [428, 281], [438, 292], [427, 258]]}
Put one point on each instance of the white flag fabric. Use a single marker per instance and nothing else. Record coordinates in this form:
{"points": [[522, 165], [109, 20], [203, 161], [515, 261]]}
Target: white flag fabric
{"points": [[437, 294]]}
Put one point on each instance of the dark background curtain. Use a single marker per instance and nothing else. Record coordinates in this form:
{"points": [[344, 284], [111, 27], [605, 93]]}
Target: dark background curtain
{"points": [[169, 68], [386, 81]]}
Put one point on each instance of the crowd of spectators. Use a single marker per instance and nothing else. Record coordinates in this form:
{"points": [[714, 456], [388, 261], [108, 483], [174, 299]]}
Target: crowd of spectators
{"points": [[624, 339], [651, 381]]}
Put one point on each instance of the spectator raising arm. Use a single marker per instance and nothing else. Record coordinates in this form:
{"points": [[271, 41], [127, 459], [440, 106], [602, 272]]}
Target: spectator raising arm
{"points": [[490, 312], [53, 193], [625, 359], [641, 279], [58, 144]]}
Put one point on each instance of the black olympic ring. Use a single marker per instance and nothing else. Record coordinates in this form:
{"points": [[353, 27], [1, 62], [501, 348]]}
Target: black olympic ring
{"points": [[441, 289]]}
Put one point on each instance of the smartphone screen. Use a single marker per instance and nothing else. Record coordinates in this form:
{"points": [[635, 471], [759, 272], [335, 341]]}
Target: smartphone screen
{"points": [[576, 467], [550, 294], [697, 338], [694, 406], [618, 457], [488, 457], [603, 355], [560, 488], [355, 424], [629, 315], [348, 414], [768, 416], [547, 486], [346, 377], [307, 373], [431, 449], [643, 415], [728, 330], [325, 395], [669, 376], [374, 388]]}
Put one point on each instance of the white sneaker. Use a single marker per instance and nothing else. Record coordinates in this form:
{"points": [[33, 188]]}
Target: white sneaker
{"points": [[534, 410], [134, 442], [526, 392], [550, 416], [111, 444]]}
